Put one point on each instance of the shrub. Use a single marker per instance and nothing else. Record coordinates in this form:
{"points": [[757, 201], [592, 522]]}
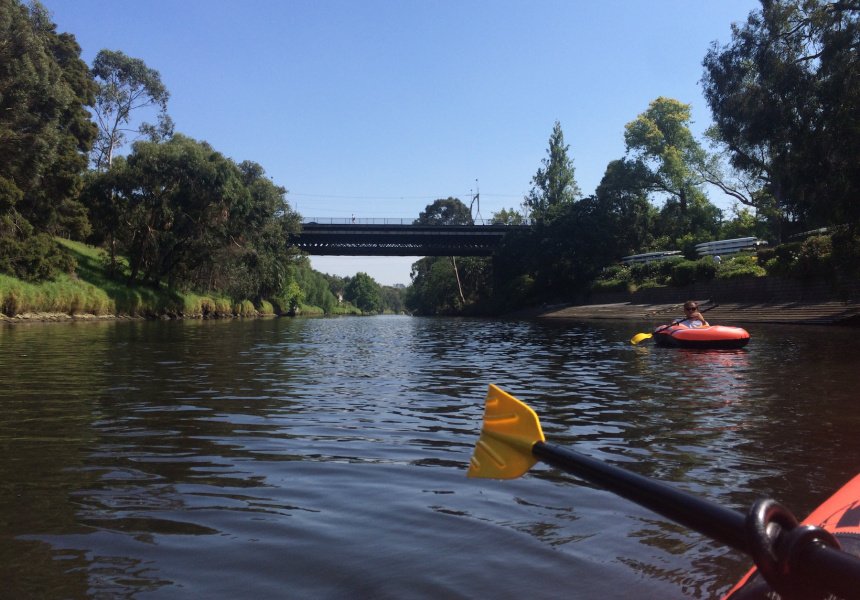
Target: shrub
{"points": [[784, 257], [520, 289], [706, 269], [245, 308], [666, 267], [613, 285], [207, 306], [12, 303], [658, 271], [765, 254], [642, 271], [684, 273], [616, 273], [280, 305], [740, 266], [846, 252], [36, 258], [815, 258]]}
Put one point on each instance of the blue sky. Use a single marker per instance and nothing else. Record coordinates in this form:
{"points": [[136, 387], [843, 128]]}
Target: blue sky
{"points": [[378, 107]]}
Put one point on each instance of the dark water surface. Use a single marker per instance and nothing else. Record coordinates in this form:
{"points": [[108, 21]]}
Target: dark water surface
{"points": [[326, 458]]}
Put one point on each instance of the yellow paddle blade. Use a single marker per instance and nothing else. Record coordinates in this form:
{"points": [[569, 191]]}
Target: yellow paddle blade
{"points": [[504, 450], [639, 337]]}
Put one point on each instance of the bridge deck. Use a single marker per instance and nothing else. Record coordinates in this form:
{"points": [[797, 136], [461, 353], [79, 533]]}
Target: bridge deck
{"points": [[401, 239]]}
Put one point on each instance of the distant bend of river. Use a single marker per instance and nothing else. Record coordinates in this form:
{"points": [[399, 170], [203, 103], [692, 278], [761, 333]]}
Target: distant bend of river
{"points": [[326, 458]]}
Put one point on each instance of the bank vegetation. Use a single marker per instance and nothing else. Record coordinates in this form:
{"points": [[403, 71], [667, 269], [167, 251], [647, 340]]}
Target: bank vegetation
{"points": [[784, 96], [104, 213]]}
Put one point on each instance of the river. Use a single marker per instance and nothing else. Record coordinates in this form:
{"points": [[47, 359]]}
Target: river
{"points": [[326, 458]]}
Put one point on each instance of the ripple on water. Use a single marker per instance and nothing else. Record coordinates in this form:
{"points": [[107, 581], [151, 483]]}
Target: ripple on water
{"points": [[326, 457]]}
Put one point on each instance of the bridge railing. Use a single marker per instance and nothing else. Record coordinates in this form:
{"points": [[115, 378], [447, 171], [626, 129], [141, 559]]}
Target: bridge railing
{"points": [[378, 221]]}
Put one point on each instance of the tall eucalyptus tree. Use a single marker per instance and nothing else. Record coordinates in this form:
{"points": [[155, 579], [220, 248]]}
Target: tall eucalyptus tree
{"points": [[126, 85]]}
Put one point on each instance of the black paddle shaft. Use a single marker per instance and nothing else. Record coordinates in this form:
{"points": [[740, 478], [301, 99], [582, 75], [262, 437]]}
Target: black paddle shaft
{"points": [[716, 522], [832, 569]]}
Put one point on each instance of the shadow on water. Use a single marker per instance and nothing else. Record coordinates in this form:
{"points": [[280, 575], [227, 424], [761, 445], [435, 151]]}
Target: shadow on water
{"points": [[326, 457]]}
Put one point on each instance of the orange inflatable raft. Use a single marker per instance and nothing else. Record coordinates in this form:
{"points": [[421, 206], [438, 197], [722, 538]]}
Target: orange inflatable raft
{"points": [[710, 337], [839, 515]]}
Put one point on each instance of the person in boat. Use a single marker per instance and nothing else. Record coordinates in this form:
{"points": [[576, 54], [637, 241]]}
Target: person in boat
{"points": [[693, 317]]}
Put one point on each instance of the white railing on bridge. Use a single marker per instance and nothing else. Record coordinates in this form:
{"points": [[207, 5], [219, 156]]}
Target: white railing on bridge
{"points": [[382, 221], [729, 246]]}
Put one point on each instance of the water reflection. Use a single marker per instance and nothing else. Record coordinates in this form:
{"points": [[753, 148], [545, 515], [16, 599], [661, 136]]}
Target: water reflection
{"points": [[326, 457]]}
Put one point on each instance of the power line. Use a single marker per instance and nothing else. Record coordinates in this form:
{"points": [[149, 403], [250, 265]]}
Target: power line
{"points": [[464, 195], [366, 197]]}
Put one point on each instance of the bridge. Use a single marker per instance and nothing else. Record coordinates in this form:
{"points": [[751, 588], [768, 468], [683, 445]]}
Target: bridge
{"points": [[399, 237]]}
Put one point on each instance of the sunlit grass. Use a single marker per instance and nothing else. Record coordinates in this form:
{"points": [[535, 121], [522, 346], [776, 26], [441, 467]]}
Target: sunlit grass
{"points": [[68, 294], [91, 290]]}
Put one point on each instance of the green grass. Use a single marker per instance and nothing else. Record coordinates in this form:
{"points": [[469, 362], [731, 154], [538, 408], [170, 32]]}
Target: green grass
{"points": [[68, 294], [93, 267], [90, 290]]}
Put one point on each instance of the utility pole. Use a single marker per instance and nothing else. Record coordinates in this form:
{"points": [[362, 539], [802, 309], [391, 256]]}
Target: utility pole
{"points": [[476, 199]]}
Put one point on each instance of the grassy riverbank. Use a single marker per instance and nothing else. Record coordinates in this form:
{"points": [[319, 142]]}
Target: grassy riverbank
{"points": [[90, 291]]}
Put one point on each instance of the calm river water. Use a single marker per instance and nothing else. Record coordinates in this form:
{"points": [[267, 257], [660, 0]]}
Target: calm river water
{"points": [[326, 458]]}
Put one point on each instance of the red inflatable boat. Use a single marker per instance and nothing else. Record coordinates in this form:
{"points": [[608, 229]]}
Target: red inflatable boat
{"points": [[709, 337], [840, 515]]}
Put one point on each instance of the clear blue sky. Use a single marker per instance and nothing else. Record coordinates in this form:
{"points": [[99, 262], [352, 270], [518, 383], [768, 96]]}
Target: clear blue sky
{"points": [[378, 107]]}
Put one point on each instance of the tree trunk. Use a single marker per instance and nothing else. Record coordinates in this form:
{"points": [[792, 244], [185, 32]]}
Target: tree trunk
{"points": [[459, 285]]}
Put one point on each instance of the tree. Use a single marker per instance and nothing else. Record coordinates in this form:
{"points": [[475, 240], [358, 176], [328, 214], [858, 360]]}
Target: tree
{"points": [[661, 141], [185, 214], [631, 218], [450, 211], [125, 85], [784, 96], [743, 224], [45, 134], [508, 217], [434, 288], [553, 184], [314, 285], [392, 299], [336, 284], [364, 293]]}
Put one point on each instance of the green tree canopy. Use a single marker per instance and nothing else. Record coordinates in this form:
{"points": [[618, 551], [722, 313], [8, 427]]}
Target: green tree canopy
{"points": [[434, 289], [661, 142], [508, 217], [623, 199], [125, 85], [448, 211], [45, 134], [315, 285], [661, 139], [554, 183], [364, 293], [439, 285], [784, 96], [392, 299], [185, 214]]}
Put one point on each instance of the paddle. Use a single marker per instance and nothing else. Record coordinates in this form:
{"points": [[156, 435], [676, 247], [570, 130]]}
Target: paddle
{"points": [[639, 337], [512, 442], [644, 336]]}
